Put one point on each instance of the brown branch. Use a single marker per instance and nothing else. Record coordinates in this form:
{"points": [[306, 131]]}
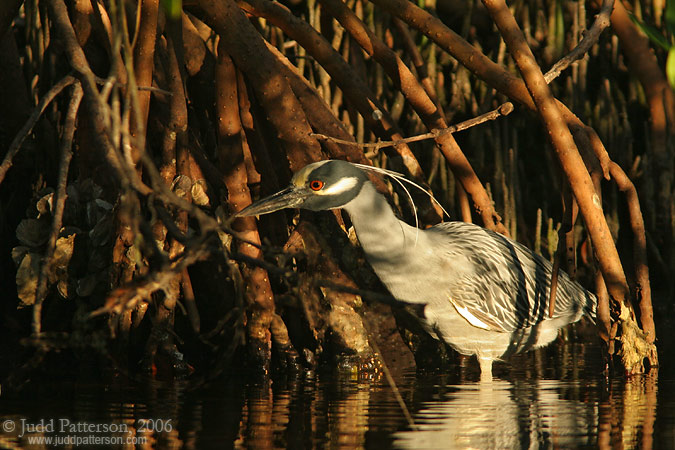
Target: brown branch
{"points": [[59, 205], [78, 61], [590, 37], [645, 66], [483, 67], [17, 103], [353, 87], [418, 62], [104, 37], [258, 145], [428, 84], [190, 303], [414, 93], [639, 251], [480, 65], [175, 154], [247, 49], [156, 90], [126, 175], [464, 206], [564, 233], [232, 159], [604, 317], [15, 146], [144, 52], [571, 162], [321, 117], [175, 161], [658, 181], [502, 110], [587, 138], [128, 296]]}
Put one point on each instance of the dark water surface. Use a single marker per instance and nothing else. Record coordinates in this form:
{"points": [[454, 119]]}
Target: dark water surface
{"points": [[553, 398]]}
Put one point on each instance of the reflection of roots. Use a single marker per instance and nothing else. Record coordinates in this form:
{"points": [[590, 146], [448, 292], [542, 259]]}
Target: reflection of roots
{"points": [[639, 410]]}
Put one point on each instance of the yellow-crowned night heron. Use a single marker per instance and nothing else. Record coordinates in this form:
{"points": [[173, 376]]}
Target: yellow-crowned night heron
{"points": [[483, 293]]}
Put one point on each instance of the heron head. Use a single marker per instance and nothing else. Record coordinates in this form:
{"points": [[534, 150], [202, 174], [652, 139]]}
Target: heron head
{"points": [[318, 186]]}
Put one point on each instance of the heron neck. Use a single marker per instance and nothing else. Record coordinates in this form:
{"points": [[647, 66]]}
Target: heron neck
{"points": [[378, 229]]}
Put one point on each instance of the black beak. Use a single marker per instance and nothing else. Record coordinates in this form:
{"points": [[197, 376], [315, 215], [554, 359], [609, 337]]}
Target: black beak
{"points": [[291, 197]]}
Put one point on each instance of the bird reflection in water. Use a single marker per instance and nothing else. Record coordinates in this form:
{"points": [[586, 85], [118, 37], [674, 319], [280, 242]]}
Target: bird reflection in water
{"points": [[537, 414]]}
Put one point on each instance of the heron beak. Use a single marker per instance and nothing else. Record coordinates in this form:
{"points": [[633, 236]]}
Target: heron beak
{"points": [[291, 197]]}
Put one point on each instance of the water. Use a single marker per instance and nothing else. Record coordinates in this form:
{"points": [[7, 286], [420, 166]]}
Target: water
{"points": [[540, 414], [553, 398]]}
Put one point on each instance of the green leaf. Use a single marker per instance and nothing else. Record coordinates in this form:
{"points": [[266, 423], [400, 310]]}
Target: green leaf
{"points": [[652, 33], [670, 67], [173, 8], [670, 16]]}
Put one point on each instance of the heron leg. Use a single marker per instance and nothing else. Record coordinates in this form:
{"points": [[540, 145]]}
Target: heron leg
{"points": [[485, 369]]}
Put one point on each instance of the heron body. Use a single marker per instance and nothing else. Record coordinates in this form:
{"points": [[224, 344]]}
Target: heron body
{"points": [[483, 293]]}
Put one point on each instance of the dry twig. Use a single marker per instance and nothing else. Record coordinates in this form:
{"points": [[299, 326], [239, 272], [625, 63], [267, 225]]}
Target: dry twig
{"points": [[590, 37], [503, 110], [15, 146], [59, 205], [128, 296]]}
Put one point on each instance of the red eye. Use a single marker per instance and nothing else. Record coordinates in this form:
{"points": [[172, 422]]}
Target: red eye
{"points": [[316, 185]]}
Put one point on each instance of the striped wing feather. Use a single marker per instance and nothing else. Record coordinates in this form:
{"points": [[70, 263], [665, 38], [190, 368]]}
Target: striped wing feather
{"points": [[501, 283]]}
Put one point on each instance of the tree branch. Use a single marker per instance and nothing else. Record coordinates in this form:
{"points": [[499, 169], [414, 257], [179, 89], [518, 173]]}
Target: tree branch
{"points": [[644, 293], [590, 37], [59, 205], [421, 102], [358, 92], [15, 146], [571, 162], [503, 110]]}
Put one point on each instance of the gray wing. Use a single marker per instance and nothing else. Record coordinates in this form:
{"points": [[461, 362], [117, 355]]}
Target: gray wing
{"points": [[501, 285]]}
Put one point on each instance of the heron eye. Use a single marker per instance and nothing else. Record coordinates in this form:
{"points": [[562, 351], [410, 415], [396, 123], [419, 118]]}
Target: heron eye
{"points": [[316, 185]]}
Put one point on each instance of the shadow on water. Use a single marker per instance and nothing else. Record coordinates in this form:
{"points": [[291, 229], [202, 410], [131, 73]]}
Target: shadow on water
{"points": [[551, 398]]}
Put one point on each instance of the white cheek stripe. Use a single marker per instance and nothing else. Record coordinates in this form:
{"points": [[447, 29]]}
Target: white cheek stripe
{"points": [[341, 186], [473, 320]]}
